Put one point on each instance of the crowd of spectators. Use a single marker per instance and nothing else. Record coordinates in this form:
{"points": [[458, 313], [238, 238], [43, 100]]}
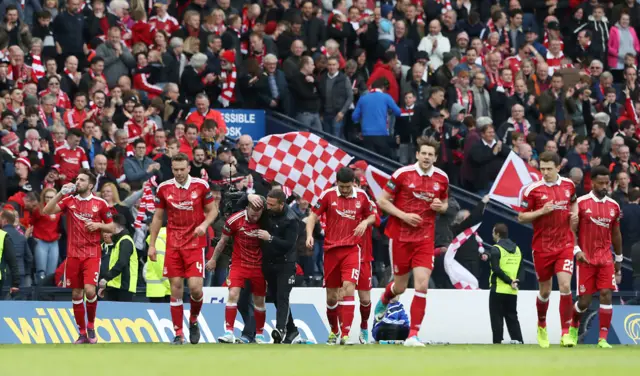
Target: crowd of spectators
{"points": [[121, 86]]}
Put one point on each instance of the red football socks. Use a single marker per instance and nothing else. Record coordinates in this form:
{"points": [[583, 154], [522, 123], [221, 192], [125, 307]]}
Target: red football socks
{"points": [[365, 312], [92, 307], [196, 306], [418, 307], [78, 313], [605, 313], [332, 317], [566, 311], [230, 313], [388, 293], [542, 305], [347, 308], [260, 315], [177, 315]]}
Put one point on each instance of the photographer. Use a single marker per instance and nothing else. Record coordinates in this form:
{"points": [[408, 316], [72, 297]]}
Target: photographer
{"points": [[278, 235]]}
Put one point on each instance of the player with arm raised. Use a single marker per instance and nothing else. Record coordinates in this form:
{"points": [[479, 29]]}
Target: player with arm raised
{"points": [[598, 229], [87, 216], [190, 209], [412, 197], [246, 265], [349, 213], [548, 206]]}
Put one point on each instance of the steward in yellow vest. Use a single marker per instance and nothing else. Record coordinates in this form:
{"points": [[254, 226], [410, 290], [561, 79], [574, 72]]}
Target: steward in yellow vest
{"points": [[121, 280], [158, 287], [8, 257], [506, 264]]}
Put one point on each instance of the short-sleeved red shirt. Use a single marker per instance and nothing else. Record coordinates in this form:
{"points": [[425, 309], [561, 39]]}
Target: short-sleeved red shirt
{"points": [[597, 219], [185, 211], [79, 211], [413, 191], [246, 245], [551, 232], [70, 161], [343, 215]]}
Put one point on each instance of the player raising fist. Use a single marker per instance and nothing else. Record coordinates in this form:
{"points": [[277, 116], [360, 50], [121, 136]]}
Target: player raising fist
{"points": [[190, 211], [418, 192], [598, 228], [548, 205]]}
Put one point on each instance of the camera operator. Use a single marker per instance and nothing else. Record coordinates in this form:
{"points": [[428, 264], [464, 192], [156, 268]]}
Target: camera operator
{"points": [[278, 235]]}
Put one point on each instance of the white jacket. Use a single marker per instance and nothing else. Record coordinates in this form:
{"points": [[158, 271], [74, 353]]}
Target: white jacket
{"points": [[435, 56]]}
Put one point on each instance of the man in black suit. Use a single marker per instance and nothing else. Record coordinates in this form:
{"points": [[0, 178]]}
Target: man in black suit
{"points": [[102, 176]]}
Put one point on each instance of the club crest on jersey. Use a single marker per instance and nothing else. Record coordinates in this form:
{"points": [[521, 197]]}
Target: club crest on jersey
{"points": [[613, 213], [582, 289], [567, 193], [357, 204], [195, 195], [94, 209], [436, 186]]}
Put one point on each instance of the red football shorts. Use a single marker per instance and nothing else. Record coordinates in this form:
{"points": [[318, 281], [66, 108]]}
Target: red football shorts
{"points": [[593, 278], [364, 279], [184, 263], [80, 271], [341, 265], [548, 264], [238, 276], [408, 255]]}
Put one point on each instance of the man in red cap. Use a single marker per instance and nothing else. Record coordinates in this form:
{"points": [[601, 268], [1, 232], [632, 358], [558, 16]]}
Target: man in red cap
{"points": [[359, 168], [228, 78]]}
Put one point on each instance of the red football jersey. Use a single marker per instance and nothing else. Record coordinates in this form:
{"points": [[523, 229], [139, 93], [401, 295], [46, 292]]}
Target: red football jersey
{"points": [[246, 245], [367, 238], [70, 161], [551, 232], [134, 130], [597, 219], [413, 191], [185, 211], [344, 214], [79, 211]]}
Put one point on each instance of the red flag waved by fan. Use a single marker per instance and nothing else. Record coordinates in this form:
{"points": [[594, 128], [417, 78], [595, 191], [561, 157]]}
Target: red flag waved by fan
{"points": [[301, 161], [514, 176]]}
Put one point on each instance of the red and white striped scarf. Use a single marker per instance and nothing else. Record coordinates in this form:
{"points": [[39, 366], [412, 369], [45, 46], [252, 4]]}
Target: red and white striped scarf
{"points": [[43, 116], [493, 28], [545, 42], [460, 277], [219, 29], [247, 27], [36, 67], [228, 95], [147, 204], [68, 73], [22, 74], [244, 45], [469, 104], [446, 5], [493, 77], [407, 111]]}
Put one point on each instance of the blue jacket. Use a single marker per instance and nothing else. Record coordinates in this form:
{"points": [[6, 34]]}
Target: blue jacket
{"points": [[371, 112]]}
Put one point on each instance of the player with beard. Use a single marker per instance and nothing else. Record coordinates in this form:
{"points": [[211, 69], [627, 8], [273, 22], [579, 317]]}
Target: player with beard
{"points": [[191, 209], [598, 229], [87, 216]]}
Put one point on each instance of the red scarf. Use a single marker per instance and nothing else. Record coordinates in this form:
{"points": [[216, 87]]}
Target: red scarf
{"points": [[247, 26], [97, 114], [43, 116], [16, 74], [244, 45], [36, 67], [228, 95], [219, 29], [469, 99], [258, 56], [62, 100], [545, 43], [71, 75], [93, 77], [507, 86], [446, 5], [494, 78], [493, 28]]}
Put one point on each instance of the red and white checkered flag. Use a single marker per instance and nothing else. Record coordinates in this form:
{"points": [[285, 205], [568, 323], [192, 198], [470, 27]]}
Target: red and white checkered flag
{"points": [[301, 161], [460, 277]]}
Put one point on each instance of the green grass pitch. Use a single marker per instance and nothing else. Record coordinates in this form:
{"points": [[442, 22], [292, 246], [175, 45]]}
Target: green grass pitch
{"points": [[310, 360]]}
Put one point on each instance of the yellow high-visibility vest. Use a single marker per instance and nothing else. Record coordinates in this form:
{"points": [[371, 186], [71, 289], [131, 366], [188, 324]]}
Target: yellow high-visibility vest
{"points": [[157, 285], [133, 267], [509, 263]]}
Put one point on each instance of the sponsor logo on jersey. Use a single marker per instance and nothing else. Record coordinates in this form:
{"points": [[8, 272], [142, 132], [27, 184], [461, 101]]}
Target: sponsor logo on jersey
{"points": [[184, 205], [74, 161], [425, 196], [251, 233], [602, 222], [84, 217], [348, 214], [560, 205]]}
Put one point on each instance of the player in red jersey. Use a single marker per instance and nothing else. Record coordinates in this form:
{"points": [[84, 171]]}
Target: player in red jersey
{"points": [[87, 215], [190, 209], [366, 274], [246, 264], [598, 228], [412, 197], [547, 205], [349, 213]]}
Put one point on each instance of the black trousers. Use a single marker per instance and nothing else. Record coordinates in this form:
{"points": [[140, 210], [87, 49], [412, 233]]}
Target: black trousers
{"points": [[378, 144], [280, 280], [118, 295], [504, 307], [165, 299]]}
